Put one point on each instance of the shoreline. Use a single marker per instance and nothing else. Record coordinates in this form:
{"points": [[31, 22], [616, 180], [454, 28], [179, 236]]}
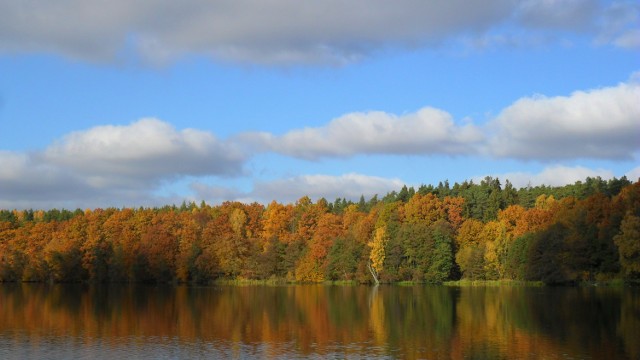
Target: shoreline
{"points": [[285, 282]]}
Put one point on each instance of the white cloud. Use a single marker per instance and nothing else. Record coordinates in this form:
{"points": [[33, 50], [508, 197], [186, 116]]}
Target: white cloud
{"points": [[286, 31], [557, 175], [113, 166], [594, 124], [427, 131], [144, 150], [126, 165], [26, 181], [24, 176], [255, 31], [602, 123]]}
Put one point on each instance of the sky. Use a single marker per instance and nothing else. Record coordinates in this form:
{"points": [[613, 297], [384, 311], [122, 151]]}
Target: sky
{"points": [[128, 103]]}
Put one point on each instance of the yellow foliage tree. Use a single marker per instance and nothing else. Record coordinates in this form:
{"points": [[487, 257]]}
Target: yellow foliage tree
{"points": [[492, 238], [238, 219], [377, 254], [425, 209], [276, 222]]}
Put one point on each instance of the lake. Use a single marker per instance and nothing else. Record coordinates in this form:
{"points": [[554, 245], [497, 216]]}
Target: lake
{"points": [[318, 322]]}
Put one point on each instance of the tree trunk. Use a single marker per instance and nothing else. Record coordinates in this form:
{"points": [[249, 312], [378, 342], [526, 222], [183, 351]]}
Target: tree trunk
{"points": [[373, 273]]}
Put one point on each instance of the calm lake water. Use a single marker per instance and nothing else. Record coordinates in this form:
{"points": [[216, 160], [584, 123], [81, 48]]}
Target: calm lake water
{"points": [[291, 322]]}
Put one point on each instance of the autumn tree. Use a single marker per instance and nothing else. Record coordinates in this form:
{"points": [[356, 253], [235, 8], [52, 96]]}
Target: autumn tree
{"points": [[63, 254], [493, 238], [268, 262], [277, 222], [32, 263], [470, 250], [628, 242], [377, 252], [122, 231], [454, 208], [229, 248], [425, 209], [385, 249], [8, 253], [584, 231], [189, 247], [312, 267], [159, 246]]}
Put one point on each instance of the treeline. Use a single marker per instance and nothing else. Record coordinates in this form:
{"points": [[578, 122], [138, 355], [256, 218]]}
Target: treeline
{"points": [[581, 232]]}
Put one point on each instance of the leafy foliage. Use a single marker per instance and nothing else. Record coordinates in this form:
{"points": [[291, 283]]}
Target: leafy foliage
{"points": [[586, 231]]}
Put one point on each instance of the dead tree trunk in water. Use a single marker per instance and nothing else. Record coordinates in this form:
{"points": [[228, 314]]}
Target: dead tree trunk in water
{"points": [[374, 273]]}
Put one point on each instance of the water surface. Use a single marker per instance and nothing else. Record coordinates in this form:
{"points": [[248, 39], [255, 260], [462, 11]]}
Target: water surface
{"points": [[290, 322]]}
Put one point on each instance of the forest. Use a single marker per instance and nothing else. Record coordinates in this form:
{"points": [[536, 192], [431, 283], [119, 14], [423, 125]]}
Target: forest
{"points": [[587, 231]]}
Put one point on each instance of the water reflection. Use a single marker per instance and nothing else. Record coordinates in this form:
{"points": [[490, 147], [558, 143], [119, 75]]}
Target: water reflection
{"points": [[64, 321]]}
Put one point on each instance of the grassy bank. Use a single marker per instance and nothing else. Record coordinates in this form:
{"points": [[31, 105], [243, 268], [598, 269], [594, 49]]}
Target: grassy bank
{"points": [[279, 281], [466, 282], [275, 281], [610, 283]]}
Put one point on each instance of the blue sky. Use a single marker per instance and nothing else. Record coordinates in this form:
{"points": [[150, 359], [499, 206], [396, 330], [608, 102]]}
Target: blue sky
{"points": [[138, 103]]}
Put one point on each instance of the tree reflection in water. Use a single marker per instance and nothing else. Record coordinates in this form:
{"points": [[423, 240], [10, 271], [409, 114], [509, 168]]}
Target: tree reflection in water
{"points": [[324, 321]]}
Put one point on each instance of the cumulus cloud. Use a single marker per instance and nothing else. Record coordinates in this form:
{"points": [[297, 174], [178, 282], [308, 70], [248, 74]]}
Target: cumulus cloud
{"points": [[127, 165], [144, 150], [427, 131], [23, 176], [113, 165], [257, 31], [593, 124], [601, 123], [26, 181], [557, 175]]}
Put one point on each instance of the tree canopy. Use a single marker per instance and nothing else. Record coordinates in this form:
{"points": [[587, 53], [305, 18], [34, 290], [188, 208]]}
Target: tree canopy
{"points": [[585, 231]]}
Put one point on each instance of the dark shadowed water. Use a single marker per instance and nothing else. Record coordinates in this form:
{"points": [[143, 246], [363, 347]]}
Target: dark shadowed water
{"points": [[317, 322]]}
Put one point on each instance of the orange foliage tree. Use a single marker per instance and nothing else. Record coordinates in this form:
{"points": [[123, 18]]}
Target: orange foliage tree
{"points": [[559, 239]]}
